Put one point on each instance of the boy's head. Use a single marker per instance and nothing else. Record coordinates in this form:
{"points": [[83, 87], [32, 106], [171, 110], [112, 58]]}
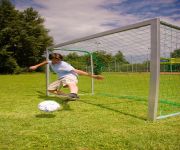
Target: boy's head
{"points": [[55, 58]]}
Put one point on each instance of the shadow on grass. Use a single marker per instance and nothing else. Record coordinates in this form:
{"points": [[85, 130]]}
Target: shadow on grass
{"points": [[45, 116], [111, 109], [64, 104]]}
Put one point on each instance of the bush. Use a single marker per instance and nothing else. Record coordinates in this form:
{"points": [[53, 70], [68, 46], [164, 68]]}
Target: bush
{"points": [[8, 64]]}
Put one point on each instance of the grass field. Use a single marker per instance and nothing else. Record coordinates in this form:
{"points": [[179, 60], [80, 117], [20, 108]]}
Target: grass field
{"points": [[98, 122]]}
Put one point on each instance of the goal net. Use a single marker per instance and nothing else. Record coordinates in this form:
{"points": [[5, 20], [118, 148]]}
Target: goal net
{"points": [[169, 90], [140, 63]]}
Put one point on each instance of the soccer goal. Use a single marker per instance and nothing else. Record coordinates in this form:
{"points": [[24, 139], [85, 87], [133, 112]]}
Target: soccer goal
{"points": [[140, 62]]}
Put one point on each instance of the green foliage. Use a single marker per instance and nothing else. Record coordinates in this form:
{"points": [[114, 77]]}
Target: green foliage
{"points": [[7, 13], [103, 60], [119, 57], [8, 64], [23, 34], [176, 53], [77, 61]]}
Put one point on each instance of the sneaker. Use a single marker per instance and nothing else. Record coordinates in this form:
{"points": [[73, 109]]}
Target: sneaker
{"points": [[73, 96]]}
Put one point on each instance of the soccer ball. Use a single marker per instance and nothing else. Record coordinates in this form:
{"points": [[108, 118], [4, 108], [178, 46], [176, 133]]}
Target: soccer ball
{"points": [[48, 106]]}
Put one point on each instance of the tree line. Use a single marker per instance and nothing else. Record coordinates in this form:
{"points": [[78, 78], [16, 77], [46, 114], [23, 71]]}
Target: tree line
{"points": [[101, 60]]}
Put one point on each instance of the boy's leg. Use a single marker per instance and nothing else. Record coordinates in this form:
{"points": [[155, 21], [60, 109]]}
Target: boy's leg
{"points": [[54, 87], [73, 90], [71, 83]]}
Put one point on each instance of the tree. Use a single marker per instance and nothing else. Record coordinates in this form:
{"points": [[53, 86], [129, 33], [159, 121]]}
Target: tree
{"points": [[101, 60], [7, 63], [7, 13], [77, 61], [22, 34], [8, 16], [33, 38], [176, 53], [119, 57]]}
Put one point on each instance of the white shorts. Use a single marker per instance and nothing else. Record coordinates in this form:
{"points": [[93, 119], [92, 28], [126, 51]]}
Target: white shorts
{"points": [[63, 82]]}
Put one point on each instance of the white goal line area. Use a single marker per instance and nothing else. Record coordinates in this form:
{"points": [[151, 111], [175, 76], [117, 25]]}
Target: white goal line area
{"points": [[148, 48]]}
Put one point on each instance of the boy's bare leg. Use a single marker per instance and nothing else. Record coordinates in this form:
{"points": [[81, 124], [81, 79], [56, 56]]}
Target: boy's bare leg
{"points": [[73, 88], [73, 91]]}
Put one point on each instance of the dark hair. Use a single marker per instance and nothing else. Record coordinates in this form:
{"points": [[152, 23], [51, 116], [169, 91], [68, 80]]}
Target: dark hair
{"points": [[56, 56]]}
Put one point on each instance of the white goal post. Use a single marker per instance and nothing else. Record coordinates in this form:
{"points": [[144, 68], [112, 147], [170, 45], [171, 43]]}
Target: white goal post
{"points": [[153, 34]]}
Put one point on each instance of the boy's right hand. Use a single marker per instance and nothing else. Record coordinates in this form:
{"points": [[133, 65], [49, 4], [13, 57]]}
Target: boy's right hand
{"points": [[33, 67]]}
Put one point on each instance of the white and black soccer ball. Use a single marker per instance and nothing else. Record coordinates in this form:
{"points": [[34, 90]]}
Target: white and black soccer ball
{"points": [[49, 106]]}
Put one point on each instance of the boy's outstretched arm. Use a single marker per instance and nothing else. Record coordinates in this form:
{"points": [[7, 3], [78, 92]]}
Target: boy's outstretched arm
{"points": [[38, 65], [80, 72]]}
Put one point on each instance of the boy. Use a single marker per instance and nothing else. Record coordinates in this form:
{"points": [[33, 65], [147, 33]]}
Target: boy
{"points": [[67, 75]]}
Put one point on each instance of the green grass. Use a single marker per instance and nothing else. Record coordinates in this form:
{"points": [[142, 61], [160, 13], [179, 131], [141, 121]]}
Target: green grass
{"points": [[97, 122]]}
